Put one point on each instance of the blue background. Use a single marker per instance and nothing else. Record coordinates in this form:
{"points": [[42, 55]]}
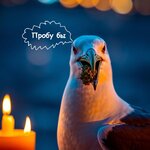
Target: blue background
{"points": [[36, 79]]}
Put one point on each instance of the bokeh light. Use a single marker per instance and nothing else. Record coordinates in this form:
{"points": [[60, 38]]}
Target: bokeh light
{"points": [[122, 6], [48, 1], [142, 6], [69, 3], [39, 57], [103, 5], [88, 3]]}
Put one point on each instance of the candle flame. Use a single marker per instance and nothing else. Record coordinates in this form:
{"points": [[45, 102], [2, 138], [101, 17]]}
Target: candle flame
{"points": [[27, 127], [6, 105]]}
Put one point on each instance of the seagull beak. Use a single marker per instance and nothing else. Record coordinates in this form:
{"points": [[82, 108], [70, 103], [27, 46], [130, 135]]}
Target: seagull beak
{"points": [[92, 60]]}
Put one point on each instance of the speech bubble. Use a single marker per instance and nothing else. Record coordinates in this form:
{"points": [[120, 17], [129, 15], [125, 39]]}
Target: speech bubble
{"points": [[46, 35]]}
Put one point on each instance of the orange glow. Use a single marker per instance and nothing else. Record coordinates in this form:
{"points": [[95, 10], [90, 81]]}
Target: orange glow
{"points": [[114, 122], [103, 5], [88, 3], [6, 105], [69, 3], [143, 7], [27, 127], [122, 6]]}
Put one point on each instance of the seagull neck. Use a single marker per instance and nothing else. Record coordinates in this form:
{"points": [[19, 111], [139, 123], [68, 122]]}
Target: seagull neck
{"points": [[105, 102], [83, 103], [91, 105]]}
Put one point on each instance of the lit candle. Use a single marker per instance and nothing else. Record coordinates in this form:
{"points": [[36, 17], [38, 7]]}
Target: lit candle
{"points": [[15, 139], [8, 121]]}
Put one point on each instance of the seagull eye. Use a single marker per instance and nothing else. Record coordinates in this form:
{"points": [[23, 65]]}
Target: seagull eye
{"points": [[104, 48], [75, 50]]}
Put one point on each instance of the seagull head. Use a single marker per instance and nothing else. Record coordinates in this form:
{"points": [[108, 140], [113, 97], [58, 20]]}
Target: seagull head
{"points": [[89, 60]]}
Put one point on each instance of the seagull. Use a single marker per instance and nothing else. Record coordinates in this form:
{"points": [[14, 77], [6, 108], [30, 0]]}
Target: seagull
{"points": [[92, 115]]}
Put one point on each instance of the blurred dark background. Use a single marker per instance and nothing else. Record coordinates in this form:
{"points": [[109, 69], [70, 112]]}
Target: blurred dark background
{"points": [[35, 80]]}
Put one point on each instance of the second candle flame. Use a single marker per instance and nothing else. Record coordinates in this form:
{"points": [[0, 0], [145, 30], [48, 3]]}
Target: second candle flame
{"points": [[27, 127], [6, 105]]}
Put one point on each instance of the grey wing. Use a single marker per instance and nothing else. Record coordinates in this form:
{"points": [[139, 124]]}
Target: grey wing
{"points": [[125, 137], [133, 134]]}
